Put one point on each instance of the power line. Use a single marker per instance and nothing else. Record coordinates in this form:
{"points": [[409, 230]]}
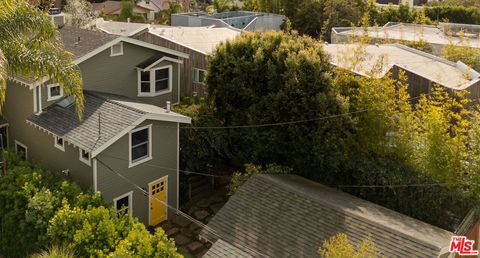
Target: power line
{"points": [[193, 220], [333, 186]]}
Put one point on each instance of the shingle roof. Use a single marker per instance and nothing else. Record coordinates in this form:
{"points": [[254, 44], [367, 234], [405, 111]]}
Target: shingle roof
{"points": [[116, 113], [222, 249], [435, 69], [289, 216], [80, 42]]}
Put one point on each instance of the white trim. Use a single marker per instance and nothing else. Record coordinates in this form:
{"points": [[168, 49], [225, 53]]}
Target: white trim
{"points": [[132, 163], [166, 197], [37, 100], [159, 117], [121, 49], [17, 143], [58, 146], [95, 175], [49, 93], [80, 157], [131, 41], [195, 70], [130, 202], [152, 92], [165, 58]]}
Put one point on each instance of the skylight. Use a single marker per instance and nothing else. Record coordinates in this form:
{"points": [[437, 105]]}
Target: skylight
{"points": [[66, 102]]}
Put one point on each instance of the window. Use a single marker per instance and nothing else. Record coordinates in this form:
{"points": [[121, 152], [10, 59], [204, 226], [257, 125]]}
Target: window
{"points": [[21, 150], [198, 75], [140, 145], [84, 157], [155, 82], [123, 204], [145, 82], [54, 92], [59, 143], [117, 49]]}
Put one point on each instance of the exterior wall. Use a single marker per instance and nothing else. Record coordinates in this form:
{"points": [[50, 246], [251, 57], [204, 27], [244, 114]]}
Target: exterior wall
{"points": [[118, 74], [164, 154], [196, 60], [40, 144]]}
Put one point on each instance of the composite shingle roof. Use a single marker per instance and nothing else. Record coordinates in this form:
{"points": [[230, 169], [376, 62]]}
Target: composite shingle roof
{"points": [[105, 117], [289, 216], [222, 249], [80, 42]]}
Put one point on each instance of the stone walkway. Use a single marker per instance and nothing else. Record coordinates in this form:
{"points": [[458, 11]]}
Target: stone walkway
{"points": [[185, 232]]}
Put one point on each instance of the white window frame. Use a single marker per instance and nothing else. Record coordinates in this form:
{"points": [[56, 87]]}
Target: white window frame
{"points": [[49, 93], [196, 75], [58, 146], [17, 143], [152, 92], [130, 202], [132, 163], [82, 159], [121, 49]]}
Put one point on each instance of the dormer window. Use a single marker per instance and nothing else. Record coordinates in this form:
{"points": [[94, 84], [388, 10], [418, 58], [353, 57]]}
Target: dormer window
{"points": [[154, 82], [117, 49], [59, 143], [54, 92]]}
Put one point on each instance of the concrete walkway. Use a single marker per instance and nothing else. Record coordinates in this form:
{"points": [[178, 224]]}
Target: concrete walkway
{"points": [[185, 232]]}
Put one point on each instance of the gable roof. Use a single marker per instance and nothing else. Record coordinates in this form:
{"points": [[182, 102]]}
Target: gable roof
{"points": [[201, 39], [111, 115], [80, 42], [456, 76], [126, 29], [290, 216], [222, 249]]}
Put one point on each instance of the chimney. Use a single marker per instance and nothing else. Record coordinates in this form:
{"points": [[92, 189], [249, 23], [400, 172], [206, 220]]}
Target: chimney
{"points": [[168, 107]]}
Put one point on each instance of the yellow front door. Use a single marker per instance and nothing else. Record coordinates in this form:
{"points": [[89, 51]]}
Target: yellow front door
{"points": [[158, 199]]}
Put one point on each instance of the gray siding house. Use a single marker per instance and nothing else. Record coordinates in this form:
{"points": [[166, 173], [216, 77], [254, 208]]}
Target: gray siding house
{"points": [[126, 145]]}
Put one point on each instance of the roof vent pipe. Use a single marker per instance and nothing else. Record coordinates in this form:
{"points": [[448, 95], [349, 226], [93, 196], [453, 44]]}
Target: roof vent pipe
{"points": [[168, 107], [128, 20]]}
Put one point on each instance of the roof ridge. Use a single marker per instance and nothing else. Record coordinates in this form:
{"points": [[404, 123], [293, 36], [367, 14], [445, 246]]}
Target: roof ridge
{"points": [[277, 181], [99, 95]]}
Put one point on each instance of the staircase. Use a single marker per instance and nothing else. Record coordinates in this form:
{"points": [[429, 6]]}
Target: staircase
{"points": [[198, 186]]}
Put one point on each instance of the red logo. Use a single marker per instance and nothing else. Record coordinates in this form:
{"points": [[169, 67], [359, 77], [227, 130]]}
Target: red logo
{"points": [[462, 246]]}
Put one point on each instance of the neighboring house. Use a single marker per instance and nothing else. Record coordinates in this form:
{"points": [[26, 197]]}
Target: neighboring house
{"points": [[436, 35], [154, 5], [244, 20], [114, 8], [197, 42], [290, 216], [423, 70], [124, 137]]}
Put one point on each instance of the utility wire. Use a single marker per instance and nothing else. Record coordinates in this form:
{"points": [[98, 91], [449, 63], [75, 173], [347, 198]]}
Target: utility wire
{"points": [[188, 217], [333, 186]]}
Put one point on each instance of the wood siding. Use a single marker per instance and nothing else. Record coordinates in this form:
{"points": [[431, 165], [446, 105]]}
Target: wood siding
{"points": [[196, 60]]}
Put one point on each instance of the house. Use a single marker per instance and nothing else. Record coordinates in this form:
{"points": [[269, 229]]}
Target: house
{"points": [[290, 216], [423, 70], [126, 145], [243, 20], [154, 5], [197, 42], [114, 8], [437, 36]]}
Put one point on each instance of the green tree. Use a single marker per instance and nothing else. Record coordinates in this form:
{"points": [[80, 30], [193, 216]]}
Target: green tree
{"points": [[339, 246], [30, 46], [223, 5], [294, 85], [80, 12], [127, 10]]}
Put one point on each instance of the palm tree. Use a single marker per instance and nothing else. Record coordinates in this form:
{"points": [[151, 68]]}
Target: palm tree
{"points": [[30, 46]]}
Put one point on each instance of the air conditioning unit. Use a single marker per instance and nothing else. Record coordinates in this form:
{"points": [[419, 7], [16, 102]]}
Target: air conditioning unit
{"points": [[57, 17]]}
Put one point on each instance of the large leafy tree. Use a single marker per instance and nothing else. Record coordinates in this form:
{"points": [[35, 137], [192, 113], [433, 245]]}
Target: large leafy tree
{"points": [[30, 46], [272, 78]]}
